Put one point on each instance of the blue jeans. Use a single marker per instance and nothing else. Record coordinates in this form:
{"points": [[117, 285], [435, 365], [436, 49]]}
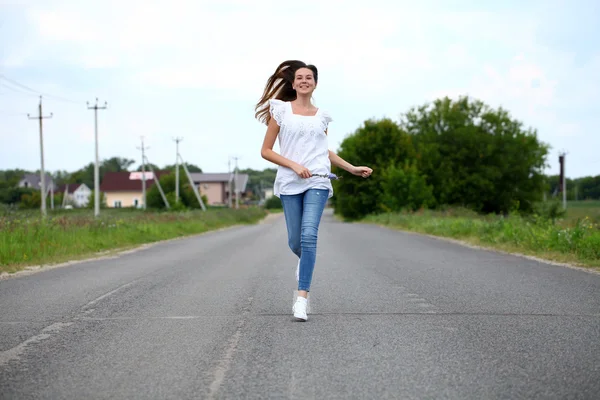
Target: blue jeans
{"points": [[302, 216]]}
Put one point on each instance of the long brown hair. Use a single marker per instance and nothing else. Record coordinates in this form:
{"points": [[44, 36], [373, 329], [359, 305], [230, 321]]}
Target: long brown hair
{"points": [[279, 86]]}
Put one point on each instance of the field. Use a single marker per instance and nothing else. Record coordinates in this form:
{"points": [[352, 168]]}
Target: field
{"points": [[581, 209], [574, 238], [26, 239]]}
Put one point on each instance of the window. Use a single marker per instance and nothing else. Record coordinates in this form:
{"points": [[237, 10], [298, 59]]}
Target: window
{"points": [[117, 203]]}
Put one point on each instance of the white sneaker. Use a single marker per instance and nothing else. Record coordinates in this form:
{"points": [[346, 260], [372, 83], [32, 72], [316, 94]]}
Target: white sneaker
{"points": [[298, 272], [299, 309]]}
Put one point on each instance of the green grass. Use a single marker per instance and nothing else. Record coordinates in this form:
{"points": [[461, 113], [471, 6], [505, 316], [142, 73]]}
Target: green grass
{"points": [[577, 210], [26, 239], [573, 239]]}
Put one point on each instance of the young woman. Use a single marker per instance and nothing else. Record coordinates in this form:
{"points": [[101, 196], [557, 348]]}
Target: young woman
{"points": [[303, 176]]}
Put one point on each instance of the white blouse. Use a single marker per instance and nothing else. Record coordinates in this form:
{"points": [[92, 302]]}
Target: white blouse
{"points": [[303, 140]]}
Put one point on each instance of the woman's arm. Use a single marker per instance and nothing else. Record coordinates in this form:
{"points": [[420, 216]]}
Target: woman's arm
{"points": [[268, 154], [340, 162]]}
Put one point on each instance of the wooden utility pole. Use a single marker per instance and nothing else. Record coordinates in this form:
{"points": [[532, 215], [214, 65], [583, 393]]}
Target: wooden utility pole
{"points": [[563, 178], [40, 117], [177, 140], [96, 167]]}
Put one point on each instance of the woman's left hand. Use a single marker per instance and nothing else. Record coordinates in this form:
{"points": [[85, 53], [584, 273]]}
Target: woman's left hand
{"points": [[365, 172]]}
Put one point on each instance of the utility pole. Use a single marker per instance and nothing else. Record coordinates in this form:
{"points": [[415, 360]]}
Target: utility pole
{"points": [[229, 182], [143, 148], [563, 178], [40, 117], [96, 167], [177, 140], [235, 183], [192, 184]]}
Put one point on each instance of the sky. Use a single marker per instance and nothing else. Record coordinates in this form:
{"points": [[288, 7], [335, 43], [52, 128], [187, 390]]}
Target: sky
{"points": [[195, 69]]}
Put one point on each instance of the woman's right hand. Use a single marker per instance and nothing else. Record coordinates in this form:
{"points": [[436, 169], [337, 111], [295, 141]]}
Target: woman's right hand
{"points": [[301, 171]]}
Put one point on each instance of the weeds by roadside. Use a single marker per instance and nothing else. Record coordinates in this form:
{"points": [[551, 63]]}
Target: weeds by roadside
{"points": [[26, 239], [537, 235]]}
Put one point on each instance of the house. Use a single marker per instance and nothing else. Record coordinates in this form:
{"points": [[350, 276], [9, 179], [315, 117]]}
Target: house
{"points": [[77, 194], [216, 186], [124, 189], [34, 181]]}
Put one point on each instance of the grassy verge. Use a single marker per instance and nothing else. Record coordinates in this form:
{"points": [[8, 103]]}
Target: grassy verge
{"points": [[25, 239], [578, 243]]}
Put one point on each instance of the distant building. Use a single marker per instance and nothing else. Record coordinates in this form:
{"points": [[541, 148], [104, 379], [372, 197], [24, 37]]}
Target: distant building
{"points": [[77, 194], [124, 189], [216, 186], [33, 181]]}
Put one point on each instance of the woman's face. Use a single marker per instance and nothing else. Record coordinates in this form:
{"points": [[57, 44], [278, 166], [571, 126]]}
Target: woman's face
{"points": [[304, 81]]}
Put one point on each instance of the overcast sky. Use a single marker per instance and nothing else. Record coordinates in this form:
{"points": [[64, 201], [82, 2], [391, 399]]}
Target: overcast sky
{"points": [[196, 68]]}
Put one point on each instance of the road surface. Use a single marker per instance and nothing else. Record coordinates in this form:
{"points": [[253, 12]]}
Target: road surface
{"points": [[394, 315]]}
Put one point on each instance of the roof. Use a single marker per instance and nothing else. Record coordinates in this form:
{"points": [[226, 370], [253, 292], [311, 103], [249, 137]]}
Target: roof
{"points": [[199, 177], [126, 181], [72, 187], [35, 179]]}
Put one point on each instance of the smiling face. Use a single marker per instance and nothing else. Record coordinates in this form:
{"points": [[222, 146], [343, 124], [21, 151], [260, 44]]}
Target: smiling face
{"points": [[304, 81]]}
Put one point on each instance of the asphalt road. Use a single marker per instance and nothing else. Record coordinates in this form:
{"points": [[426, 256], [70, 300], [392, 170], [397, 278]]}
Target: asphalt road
{"points": [[394, 315]]}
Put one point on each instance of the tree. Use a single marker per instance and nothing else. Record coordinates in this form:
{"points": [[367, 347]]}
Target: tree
{"points": [[116, 164], [30, 201], [377, 144], [91, 201], [13, 195], [61, 177], [190, 167], [404, 188], [10, 177], [86, 174], [477, 157], [187, 197], [259, 180], [148, 165]]}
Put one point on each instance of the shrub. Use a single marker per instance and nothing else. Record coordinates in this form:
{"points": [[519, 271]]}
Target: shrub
{"points": [[377, 144], [405, 188], [273, 202]]}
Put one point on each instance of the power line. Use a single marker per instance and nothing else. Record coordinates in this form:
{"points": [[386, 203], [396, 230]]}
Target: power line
{"points": [[17, 91], [36, 92]]}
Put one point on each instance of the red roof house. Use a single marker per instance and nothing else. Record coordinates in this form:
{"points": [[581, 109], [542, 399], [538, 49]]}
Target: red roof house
{"points": [[124, 189]]}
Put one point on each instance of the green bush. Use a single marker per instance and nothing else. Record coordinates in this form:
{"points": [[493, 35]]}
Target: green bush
{"points": [[405, 189], [91, 205], [476, 156], [273, 203], [377, 144], [187, 197], [551, 210]]}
